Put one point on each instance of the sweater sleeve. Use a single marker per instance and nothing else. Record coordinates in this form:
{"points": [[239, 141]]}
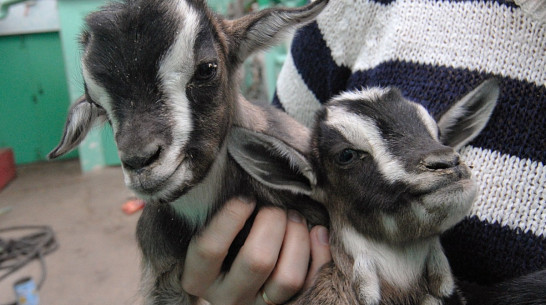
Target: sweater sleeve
{"points": [[309, 77], [435, 52]]}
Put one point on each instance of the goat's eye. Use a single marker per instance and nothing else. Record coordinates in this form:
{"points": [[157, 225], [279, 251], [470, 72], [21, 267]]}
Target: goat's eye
{"points": [[347, 156], [206, 71]]}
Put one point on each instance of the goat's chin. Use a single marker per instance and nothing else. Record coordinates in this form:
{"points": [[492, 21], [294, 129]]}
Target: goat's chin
{"points": [[158, 184], [452, 202]]}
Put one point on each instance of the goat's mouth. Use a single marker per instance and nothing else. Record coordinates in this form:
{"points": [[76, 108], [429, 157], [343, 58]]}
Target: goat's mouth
{"points": [[441, 208], [160, 182], [427, 183], [447, 192], [453, 200]]}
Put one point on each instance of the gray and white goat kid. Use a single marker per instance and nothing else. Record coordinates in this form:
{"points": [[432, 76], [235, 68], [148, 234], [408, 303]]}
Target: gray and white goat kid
{"points": [[164, 74], [392, 182]]}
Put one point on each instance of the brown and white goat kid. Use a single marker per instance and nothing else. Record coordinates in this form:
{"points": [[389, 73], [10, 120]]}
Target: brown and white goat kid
{"points": [[164, 74], [392, 182]]}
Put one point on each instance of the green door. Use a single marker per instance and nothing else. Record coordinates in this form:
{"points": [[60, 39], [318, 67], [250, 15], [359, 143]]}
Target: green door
{"points": [[33, 95]]}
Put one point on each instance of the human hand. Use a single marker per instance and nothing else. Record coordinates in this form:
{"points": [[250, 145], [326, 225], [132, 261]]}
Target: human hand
{"points": [[274, 258]]}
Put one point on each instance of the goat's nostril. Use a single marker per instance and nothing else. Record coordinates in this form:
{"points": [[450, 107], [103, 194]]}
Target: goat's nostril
{"points": [[441, 162], [141, 159]]}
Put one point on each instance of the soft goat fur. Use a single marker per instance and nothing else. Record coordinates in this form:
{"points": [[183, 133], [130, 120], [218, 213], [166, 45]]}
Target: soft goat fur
{"points": [[392, 182], [163, 73]]}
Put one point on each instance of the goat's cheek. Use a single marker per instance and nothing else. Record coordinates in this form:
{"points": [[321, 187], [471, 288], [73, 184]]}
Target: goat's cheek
{"points": [[204, 94], [205, 100]]}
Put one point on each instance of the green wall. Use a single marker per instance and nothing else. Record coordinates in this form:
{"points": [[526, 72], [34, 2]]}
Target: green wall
{"points": [[33, 95], [39, 76], [98, 149]]}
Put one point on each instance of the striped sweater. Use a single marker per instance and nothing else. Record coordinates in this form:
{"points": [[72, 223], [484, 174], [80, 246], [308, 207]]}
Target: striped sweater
{"points": [[436, 51]]}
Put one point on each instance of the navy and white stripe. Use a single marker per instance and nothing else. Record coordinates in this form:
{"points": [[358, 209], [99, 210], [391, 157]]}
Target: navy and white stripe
{"points": [[435, 52]]}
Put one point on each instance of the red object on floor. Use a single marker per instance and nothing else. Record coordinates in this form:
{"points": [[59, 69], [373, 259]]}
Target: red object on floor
{"points": [[7, 166], [132, 205]]}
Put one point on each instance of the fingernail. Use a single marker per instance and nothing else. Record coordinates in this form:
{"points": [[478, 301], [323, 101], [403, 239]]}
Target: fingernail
{"points": [[245, 199], [242, 202], [322, 234], [294, 216]]}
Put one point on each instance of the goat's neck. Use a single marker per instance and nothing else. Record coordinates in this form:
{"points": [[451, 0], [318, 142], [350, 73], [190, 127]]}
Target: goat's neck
{"points": [[197, 204], [420, 265]]}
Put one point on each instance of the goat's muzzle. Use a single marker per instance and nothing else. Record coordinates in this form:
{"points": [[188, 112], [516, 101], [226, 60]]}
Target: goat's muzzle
{"points": [[138, 159]]}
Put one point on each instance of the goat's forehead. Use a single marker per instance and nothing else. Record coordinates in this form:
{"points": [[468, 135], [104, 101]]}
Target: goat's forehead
{"points": [[378, 111], [127, 42], [370, 95], [136, 20]]}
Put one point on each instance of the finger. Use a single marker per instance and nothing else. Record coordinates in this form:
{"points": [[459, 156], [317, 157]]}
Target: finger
{"points": [[257, 257], [320, 253], [207, 251], [289, 274]]}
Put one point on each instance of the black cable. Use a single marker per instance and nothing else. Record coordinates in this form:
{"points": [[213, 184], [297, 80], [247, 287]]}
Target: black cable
{"points": [[17, 253]]}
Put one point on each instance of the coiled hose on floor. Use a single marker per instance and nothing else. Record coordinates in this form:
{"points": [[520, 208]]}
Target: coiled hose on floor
{"points": [[16, 253]]}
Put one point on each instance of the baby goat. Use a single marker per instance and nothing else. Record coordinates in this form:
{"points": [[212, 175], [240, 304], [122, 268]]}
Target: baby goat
{"points": [[164, 74], [392, 182]]}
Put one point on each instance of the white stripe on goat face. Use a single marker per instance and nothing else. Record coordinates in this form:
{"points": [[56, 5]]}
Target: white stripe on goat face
{"points": [[427, 120], [99, 95], [363, 133], [175, 71]]}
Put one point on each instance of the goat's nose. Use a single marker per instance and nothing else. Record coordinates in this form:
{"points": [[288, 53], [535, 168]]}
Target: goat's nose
{"points": [[140, 158], [444, 161]]}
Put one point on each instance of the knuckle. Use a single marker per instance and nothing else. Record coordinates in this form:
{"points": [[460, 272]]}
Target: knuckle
{"points": [[291, 284], [192, 286], [207, 250], [260, 262]]}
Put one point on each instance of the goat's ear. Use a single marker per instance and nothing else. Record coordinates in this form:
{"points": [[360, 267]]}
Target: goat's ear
{"points": [[465, 119], [271, 161], [267, 27], [82, 116]]}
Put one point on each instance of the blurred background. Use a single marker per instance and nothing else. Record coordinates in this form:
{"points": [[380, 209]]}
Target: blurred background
{"points": [[68, 213]]}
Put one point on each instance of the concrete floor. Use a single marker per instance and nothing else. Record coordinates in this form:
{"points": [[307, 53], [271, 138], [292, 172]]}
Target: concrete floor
{"points": [[97, 261]]}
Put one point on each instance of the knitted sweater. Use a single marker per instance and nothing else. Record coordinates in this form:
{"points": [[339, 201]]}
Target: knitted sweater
{"points": [[435, 52]]}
